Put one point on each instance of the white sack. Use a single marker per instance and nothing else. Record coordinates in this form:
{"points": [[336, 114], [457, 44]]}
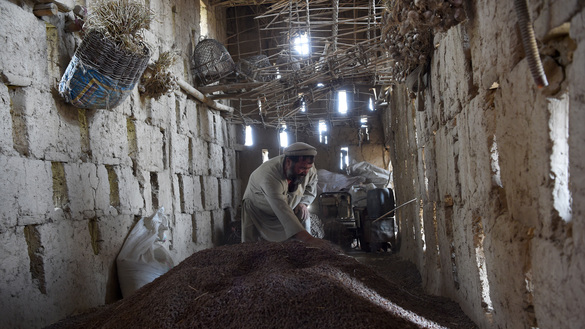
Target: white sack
{"points": [[142, 258]]}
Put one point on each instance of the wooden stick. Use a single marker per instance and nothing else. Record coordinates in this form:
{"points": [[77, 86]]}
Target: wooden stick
{"points": [[45, 9], [199, 96], [230, 87]]}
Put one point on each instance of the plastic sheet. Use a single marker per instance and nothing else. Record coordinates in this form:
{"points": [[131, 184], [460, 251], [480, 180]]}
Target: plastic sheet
{"points": [[373, 174]]}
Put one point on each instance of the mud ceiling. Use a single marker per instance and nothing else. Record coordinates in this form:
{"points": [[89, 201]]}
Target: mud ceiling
{"points": [[362, 47]]}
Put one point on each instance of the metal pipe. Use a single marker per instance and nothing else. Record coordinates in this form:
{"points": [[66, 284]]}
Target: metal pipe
{"points": [[529, 43]]}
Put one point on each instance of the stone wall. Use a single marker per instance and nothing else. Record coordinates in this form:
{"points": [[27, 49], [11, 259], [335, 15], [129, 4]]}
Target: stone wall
{"points": [[496, 168], [75, 181]]}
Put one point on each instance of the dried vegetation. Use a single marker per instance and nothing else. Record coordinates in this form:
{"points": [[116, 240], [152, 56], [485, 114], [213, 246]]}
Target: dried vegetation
{"points": [[157, 79], [408, 29], [273, 285], [121, 21]]}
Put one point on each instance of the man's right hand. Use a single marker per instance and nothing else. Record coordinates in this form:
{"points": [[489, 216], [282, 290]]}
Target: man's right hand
{"points": [[307, 238]]}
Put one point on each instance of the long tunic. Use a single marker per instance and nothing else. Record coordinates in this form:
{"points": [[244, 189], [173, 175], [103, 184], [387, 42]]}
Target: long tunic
{"points": [[267, 207]]}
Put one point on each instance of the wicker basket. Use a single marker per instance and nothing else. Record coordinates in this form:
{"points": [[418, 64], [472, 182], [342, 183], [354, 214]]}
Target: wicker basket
{"points": [[258, 68], [287, 64], [211, 61], [100, 74]]}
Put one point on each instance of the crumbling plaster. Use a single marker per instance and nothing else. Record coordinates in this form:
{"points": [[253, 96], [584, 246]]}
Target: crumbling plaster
{"points": [[75, 181], [488, 164]]}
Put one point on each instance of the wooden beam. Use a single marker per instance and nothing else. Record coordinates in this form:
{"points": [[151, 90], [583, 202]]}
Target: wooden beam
{"points": [[230, 87], [200, 97]]}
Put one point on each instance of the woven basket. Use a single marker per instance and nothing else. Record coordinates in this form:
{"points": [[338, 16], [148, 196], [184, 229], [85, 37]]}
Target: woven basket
{"points": [[211, 61], [287, 64], [100, 74], [258, 68]]}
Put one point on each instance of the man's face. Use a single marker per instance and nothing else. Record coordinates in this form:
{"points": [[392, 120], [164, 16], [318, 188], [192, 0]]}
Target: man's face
{"points": [[296, 172]]}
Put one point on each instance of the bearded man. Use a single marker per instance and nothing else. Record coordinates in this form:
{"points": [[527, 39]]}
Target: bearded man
{"points": [[279, 188]]}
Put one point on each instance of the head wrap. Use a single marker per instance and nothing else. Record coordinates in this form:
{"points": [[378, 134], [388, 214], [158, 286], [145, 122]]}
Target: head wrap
{"points": [[300, 149]]}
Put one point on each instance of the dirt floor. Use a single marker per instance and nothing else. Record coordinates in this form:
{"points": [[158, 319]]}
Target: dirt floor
{"points": [[280, 285]]}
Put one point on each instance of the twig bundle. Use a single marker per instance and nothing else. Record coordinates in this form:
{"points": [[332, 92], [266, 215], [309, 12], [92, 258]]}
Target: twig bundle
{"points": [[409, 26], [121, 21], [157, 79]]}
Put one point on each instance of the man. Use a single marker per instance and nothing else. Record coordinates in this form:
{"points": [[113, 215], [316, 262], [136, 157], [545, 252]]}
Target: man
{"points": [[278, 186]]}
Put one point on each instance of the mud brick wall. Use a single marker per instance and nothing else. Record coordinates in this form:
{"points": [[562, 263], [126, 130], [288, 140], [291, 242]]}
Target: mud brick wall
{"points": [[496, 165], [75, 181]]}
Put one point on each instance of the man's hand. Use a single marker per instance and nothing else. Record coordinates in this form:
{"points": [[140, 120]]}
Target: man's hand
{"points": [[303, 210], [310, 240]]}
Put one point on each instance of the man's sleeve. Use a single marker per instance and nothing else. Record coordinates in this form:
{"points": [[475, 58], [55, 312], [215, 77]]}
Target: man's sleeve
{"points": [[311, 188], [277, 200]]}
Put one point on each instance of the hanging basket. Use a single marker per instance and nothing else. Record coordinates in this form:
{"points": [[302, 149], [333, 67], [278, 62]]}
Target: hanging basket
{"points": [[211, 61], [258, 68], [100, 74]]}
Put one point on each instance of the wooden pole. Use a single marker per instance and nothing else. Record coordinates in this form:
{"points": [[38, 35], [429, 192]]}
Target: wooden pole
{"points": [[200, 97], [45, 9]]}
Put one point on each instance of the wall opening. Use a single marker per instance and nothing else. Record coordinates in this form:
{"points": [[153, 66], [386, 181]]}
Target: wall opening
{"points": [[478, 238], [265, 155], [559, 159], [344, 158], [421, 214], [283, 136], [248, 141], [203, 26], [436, 232], [495, 162], [364, 133], [342, 101], [301, 44], [323, 132]]}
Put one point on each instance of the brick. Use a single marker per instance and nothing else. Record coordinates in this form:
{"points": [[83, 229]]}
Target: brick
{"points": [[191, 198], [6, 146], [180, 153], [66, 243], [10, 174], [81, 181], [200, 157], [182, 237], [219, 219], [160, 111], [215, 160], [34, 191], [23, 57], [220, 129], [202, 229], [88, 190], [225, 193], [131, 199], [165, 188], [175, 197], [151, 147], [206, 124], [210, 189], [186, 193], [237, 194], [42, 130], [191, 117], [108, 138], [18, 291], [229, 163]]}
